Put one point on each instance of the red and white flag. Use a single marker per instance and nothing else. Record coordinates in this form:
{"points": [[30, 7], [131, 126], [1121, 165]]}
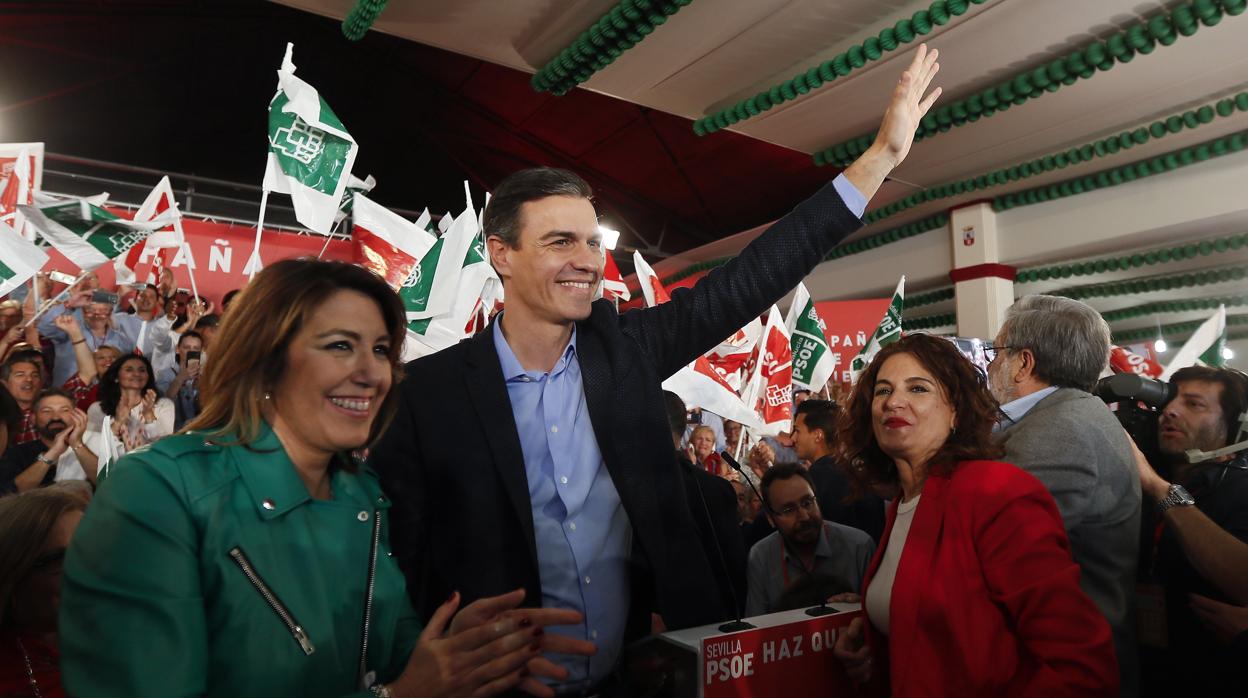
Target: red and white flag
{"points": [[160, 247], [770, 389], [613, 288], [731, 357], [698, 384], [385, 243]]}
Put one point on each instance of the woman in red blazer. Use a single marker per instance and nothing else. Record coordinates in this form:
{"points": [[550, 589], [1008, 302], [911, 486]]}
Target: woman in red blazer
{"points": [[973, 591]]}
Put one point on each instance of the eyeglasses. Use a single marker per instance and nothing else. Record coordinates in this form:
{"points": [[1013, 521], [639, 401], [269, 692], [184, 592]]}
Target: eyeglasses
{"points": [[806, 504], [990, 353]]}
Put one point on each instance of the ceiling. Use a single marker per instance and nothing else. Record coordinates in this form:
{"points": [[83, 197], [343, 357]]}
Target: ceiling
{"points": [[456, 75]]}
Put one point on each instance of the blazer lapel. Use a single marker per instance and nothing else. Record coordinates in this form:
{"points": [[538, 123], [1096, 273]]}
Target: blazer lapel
{"points": [[598, 382], [913, 570], [486, 388]]}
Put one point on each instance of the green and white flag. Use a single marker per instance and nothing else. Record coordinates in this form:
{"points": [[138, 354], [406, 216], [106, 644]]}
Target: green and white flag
{"points": [[355, 185], [888, 331], [1203, 347], [310, 152], [812, 359], [20, 259], [87, 234]]}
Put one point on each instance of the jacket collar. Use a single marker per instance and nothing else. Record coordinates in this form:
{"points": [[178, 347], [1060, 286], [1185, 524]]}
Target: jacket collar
{"points": [[274, 485]]}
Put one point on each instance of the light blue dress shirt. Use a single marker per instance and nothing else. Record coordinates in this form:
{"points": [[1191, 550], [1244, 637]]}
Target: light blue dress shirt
{"points": [[853, 199], [583, 535], [1017, 409]]}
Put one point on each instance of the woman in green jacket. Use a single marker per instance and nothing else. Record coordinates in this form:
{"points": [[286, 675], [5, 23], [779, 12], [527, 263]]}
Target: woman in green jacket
{"points": [[249, 555]]}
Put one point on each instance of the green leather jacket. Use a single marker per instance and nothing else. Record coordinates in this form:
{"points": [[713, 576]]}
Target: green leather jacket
{"points": [[207, 570]]}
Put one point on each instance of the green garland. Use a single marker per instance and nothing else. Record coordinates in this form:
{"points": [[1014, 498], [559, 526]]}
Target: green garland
{"points": [[1128, 287], [937, 296], [621, 28], [1139, 169], [361, 17], [1175, 328], [888, 39], [928, 322], [1179, 306], [1135, 260], [1190, 119], [1142, 37]]}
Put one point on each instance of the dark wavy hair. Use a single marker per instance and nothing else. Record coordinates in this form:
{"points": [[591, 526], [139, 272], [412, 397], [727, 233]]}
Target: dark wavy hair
{"points": [[963, 387], [110, 382]]}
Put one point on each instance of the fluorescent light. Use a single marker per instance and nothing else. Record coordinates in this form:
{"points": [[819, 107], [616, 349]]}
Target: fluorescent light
{"points": [[609, 237], [1227, 353], [1160, 345]]}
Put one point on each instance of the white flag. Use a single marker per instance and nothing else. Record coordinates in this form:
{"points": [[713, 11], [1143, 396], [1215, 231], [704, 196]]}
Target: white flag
{"points": [[20, 259], [888, 331], [310, 152], [1209, 335]]}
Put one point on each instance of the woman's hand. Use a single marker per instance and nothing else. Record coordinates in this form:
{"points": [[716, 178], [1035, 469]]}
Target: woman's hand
{"points": [[491, 648], [853, 652], [149, 406]]}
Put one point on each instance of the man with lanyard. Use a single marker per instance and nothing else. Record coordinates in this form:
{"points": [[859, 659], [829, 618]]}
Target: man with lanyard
{"points": [[97, 318], [1199, 536], [807, 560]]}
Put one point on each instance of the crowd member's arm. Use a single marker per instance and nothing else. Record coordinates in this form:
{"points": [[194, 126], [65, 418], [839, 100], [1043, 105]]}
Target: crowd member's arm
{"points": [[1219, 556], [47, 322], [68, 324], [11, 337], [195, 311], [86, 457], [1030, 575], [189, 371]]}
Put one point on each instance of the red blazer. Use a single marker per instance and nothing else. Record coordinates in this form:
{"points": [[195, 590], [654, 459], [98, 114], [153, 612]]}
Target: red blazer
{"points": [[986, 600]]}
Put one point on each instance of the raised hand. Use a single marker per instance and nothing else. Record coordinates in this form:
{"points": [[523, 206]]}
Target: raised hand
{"points": [[68, 324], [908, 106]]}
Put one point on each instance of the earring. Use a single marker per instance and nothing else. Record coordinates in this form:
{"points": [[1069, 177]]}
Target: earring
{"points": [[267, 396]]}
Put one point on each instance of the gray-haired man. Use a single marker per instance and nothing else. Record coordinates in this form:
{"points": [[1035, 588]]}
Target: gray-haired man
{"points": [[1047, 358]]}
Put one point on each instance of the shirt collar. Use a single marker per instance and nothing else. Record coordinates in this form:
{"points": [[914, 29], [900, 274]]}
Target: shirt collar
{"points": [[1015, 410], [512, 370]]}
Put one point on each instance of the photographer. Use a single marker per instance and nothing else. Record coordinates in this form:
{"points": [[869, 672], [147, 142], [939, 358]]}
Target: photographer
{"points": [[1199, 533]]}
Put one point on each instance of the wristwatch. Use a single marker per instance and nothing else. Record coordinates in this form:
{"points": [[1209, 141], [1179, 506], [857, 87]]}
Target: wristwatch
{"points": [[1176, 497], [43, 458], [381, 690]]}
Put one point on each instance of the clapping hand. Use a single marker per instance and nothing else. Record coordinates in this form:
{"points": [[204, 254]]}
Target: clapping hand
{"points": [[488, 650]]}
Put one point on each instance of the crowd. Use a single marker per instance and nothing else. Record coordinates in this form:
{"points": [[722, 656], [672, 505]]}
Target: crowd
{"points": [[266, 502]]}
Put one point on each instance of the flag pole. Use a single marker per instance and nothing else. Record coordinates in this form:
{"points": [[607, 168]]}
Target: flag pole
{"points": [[53, 301], [255, 250], [329, 237], [190, 268]]}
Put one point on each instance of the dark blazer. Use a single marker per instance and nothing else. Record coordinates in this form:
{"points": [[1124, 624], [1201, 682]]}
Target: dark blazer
{"points": [[452, 460], [832, 487], [713, 505]]}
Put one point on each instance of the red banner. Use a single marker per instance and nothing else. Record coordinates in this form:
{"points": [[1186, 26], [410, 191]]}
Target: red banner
{"points": [[1126, 361], [794, 659], [850, 326], [219, 252]]}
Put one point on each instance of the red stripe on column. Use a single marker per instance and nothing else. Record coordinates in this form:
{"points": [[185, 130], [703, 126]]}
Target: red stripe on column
{"points": [[982, 271]]}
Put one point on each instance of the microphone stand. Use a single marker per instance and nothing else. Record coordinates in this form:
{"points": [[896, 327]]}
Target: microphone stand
{"points": [[823, 609]]}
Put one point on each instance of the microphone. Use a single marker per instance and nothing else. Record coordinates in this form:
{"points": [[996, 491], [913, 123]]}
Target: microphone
{"points": [[738, 624], [822, 609]]}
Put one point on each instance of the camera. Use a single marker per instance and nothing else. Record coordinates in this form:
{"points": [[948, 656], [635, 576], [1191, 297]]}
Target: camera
{"points": [[1138, 399]]}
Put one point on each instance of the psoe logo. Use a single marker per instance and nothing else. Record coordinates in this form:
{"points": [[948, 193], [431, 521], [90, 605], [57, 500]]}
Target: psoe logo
{"points": [[968, 236], [300, 142]]}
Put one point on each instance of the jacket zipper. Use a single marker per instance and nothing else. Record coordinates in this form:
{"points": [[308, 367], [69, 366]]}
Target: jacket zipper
{"points": [[296, 630], [368, 599]]}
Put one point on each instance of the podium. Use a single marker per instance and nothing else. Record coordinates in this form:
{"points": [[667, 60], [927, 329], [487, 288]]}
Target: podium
{"points": [[787, 653]]}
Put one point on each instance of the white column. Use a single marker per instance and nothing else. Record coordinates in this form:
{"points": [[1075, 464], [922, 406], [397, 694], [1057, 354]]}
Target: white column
{"points": [[981, 301]]}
